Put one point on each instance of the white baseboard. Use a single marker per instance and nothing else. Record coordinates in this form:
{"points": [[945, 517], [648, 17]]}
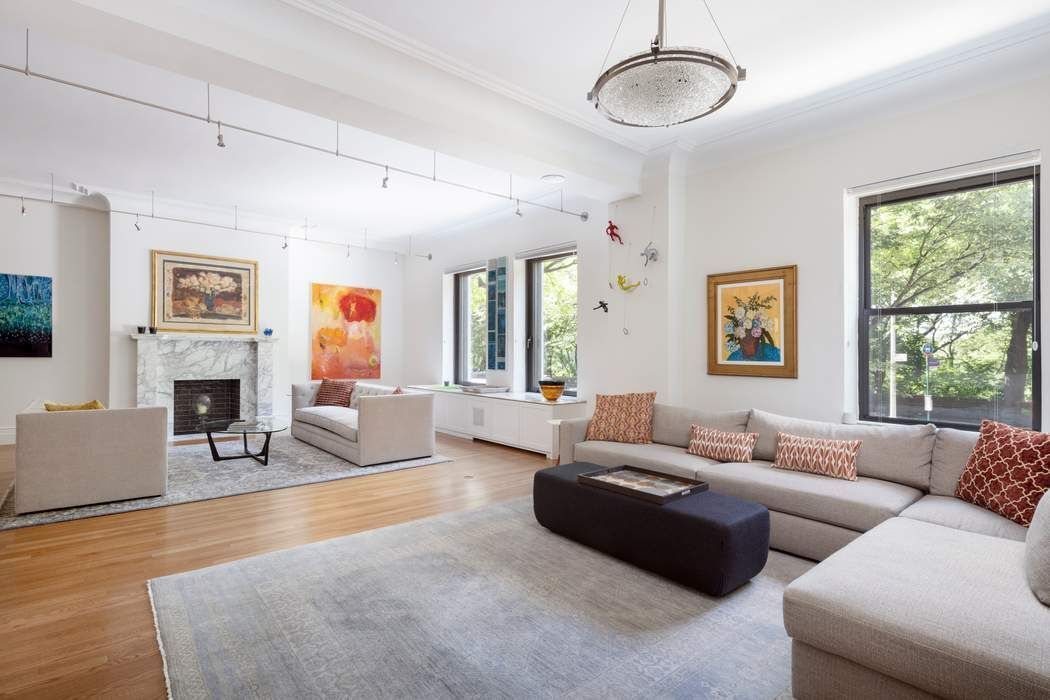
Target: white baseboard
{"points": [[7, 436]]}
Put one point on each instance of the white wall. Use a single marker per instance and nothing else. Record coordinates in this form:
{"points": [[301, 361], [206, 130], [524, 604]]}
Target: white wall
{"points": [[70, 246], [285, 276], [609, 360], [129, 262], [374, 269], [787, 207]]}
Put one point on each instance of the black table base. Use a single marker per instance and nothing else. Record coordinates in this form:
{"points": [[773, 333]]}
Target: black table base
{"points": [[262, 457]]}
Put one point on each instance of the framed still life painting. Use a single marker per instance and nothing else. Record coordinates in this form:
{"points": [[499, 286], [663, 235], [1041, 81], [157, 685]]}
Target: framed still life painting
{"points": [[25, 316], [751, 323], [204, 294], [345, 332]]}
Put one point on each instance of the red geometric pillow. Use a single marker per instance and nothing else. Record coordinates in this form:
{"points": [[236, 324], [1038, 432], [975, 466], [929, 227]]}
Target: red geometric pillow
{"points": [[834, 458], [721, 445], [335, 392], [622, 418], [1008, 471]]}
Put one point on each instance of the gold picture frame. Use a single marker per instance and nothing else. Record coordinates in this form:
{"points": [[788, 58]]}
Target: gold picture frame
{"points": [[752, 323], [192, 293]]}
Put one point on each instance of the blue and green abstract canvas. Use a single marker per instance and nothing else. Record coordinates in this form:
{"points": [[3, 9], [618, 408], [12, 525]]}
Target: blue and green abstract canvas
{"points": [[25, 316]]}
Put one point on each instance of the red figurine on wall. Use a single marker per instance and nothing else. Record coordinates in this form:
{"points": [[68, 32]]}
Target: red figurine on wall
{"points": [[613, 232]]}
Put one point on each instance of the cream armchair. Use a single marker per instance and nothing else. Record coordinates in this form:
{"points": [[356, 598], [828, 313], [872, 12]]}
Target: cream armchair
{"points": [[76, 458]]}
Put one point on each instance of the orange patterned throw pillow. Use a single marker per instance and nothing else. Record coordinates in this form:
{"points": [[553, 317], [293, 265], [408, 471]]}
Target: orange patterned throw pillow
{"points": [[721, 445], [1008, 471], [335, 392], [834, 458], [622, 418]]}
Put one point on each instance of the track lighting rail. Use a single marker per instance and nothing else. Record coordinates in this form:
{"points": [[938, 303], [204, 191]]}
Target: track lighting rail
{"points": [[207, 119], [195, 222]]}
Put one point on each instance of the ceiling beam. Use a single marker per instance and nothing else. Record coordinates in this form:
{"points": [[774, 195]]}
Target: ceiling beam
{"points": [[274, 52]]}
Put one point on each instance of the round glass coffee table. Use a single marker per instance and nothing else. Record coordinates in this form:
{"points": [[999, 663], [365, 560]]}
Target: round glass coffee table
{"points": [[259, 426]]}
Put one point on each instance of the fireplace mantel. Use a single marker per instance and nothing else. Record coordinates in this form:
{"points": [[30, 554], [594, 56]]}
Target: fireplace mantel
{"points": [[166, 357], [212, 337]]}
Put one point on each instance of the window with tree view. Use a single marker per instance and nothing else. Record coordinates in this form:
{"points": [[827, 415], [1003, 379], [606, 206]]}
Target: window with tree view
{"points": [[552, 300], [471, 319], [948, 325]]}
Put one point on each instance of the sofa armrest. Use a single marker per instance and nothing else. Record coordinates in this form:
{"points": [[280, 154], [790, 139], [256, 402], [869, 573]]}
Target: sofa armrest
{"points": [[395, 426], [570, 432], [303, 395]]}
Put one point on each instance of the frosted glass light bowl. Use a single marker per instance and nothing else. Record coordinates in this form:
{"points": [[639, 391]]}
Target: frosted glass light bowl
{"points": [[665, 87]]}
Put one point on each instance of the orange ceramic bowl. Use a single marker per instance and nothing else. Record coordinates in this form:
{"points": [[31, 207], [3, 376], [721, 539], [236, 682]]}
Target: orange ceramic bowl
{"points": [[552, 390]]}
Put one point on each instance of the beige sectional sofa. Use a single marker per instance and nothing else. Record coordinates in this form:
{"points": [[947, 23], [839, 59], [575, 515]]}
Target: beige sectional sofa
{"points": [[908, 470], [918, 593], [379, 426]]}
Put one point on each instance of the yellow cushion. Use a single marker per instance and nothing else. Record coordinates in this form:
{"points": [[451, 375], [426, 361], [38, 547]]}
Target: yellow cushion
{"points": [[89, 406]]}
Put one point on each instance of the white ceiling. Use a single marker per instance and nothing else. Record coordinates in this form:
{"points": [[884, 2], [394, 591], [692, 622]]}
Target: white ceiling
{"points": [[809, 61], [547, 53], [126, 150]]}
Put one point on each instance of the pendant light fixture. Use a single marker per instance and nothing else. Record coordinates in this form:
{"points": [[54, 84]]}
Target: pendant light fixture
{"points": [[666, 85]]}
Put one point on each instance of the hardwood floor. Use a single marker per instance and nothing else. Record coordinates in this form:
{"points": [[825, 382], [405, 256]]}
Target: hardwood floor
{"points": [[75, 618]]}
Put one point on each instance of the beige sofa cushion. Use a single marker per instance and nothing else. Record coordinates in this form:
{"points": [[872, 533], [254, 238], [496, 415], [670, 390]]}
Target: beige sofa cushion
{"points": [[857, 505], [900, 453], [953, 512], [661, 458], [1037, 552], [944, 610], [672, 424], [951, 451], [336, 419]]}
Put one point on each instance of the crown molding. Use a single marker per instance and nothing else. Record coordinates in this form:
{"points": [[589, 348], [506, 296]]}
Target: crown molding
{"points": [[336, 13]]}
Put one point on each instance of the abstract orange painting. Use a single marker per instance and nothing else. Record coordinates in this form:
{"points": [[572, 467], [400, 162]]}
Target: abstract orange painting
{"points": [[345, 332]]}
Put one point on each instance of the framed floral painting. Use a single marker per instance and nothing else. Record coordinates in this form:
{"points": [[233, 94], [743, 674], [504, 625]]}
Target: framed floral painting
{"points": [[204, 294], [751, 323]]}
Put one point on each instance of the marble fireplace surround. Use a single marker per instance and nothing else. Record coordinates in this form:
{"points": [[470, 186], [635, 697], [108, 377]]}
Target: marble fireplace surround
{"points": [[166, 357]]}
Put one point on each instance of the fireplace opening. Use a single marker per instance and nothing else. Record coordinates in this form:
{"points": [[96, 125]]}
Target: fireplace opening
{"points": [[198, 400]]}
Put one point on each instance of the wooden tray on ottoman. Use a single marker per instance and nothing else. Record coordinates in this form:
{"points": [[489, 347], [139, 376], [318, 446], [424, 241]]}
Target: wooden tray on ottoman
{"points": [[645, 484]]}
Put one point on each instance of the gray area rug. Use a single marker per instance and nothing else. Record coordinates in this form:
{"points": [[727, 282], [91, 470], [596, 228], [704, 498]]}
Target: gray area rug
{"points": [[194, 476], [484, 603]]}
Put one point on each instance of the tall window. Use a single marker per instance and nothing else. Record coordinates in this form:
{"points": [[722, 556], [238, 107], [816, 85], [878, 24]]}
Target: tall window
{"points": [[949, 296], [551, 343], [470, 315]]}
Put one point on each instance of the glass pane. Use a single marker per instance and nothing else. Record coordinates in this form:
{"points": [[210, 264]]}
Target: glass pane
{"points": [[558, 319], [935, 251], [477, 295], [952, 367]]}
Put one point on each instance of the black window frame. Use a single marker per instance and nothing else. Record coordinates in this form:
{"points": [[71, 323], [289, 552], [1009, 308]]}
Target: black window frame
{"points": [[458, 311], [866, 312], [533, 362]]}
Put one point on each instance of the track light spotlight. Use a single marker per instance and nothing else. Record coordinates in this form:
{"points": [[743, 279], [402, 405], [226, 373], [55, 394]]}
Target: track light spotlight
{"points": [[517, 212], [137, 227], [284, 246], [23, 205], [219, 142], [347, 251], [584, 216], [386, 177], [396, 261]]}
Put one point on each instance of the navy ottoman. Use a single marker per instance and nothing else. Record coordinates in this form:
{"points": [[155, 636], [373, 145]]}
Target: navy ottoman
{"points": [[708, 541]]}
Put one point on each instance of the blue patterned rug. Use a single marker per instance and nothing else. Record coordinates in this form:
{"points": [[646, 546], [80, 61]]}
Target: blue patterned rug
{"points": [[194, 476], [482, 603]]}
